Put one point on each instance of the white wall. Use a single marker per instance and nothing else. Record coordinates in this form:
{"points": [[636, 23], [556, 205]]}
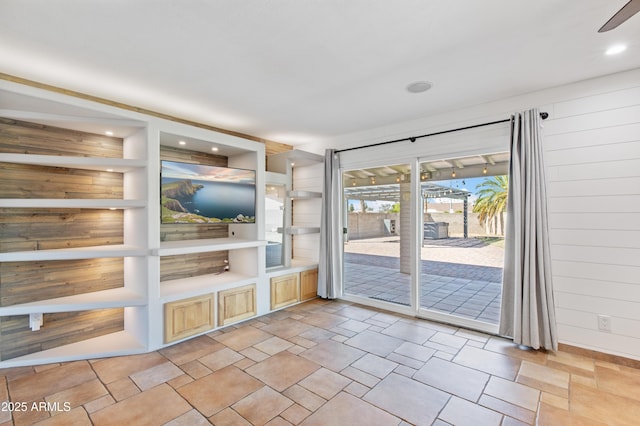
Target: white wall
{"points": [[592, 148]]}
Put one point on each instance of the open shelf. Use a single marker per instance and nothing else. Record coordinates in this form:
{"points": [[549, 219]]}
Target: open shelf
{"points": [[304, 194], [114, 344], [93, 252], [85, 163], [194, 286], [55, 203], [171, 248], [113, 298]]}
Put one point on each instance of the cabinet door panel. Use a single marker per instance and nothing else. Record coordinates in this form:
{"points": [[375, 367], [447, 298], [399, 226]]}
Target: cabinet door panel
{"points": [[308, 284], [236, 304], [184, 318], [285, 290]]}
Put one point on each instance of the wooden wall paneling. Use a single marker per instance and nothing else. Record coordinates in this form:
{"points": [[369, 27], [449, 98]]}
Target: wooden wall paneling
{"points": [[41, 229], [17, 339], [23, 282], [192, 265], [30, 138]]}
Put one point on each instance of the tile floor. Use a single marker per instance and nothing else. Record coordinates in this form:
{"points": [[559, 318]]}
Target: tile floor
{"points": [[327, 363]]}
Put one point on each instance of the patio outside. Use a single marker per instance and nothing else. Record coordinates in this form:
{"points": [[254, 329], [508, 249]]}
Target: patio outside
{"points": [[459, 276]]}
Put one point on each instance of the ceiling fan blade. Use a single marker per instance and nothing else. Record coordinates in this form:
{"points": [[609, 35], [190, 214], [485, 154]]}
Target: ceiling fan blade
{"points": [[627, 11]]}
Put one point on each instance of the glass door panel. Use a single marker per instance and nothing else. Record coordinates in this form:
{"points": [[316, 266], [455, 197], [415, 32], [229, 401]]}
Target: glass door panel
{"points": [[377, 252]]}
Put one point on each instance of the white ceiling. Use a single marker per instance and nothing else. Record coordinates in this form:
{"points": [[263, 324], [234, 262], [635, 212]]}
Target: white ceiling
{"points": [[302, 71]]}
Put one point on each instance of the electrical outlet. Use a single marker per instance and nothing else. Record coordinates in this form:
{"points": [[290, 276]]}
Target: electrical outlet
{"points": [[604, 323]]}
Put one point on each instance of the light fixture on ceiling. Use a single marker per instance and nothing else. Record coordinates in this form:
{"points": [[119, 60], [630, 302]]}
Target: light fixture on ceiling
{"points": [[419, 87], [615, 49], [453, 172], [182, 142], [373, 181], [214, 149], [108, 133], [109, 170], [484, 171]]}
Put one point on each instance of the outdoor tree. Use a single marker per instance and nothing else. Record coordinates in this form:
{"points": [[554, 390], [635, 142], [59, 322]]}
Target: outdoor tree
{"points": [[492, 203]]}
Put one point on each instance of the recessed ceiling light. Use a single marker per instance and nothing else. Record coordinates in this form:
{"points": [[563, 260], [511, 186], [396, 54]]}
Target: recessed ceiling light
{"points": [[615, 49], [419, 87], [182, 142], [214, 149], [109, 170], [108, 133]]}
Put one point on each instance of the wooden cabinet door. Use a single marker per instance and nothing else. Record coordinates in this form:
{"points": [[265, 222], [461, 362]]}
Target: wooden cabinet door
{"points": [[285, 290], [236, 304], [184, 318], [308, 284]]}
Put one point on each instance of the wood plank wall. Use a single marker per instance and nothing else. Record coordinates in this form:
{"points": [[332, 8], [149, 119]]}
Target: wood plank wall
{"points": [[37, 229]]}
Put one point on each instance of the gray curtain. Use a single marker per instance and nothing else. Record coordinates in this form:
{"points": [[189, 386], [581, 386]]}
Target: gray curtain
{"points": [[528, 312], [330, 263]]}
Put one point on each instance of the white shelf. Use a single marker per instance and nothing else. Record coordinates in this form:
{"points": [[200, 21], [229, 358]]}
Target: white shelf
{"points": [[114, 344], [113, 298], [194, 286], [300, 195], [55, 203], [171, 248], [116, 250], [279, 162], [85, 163], [302, 230]]}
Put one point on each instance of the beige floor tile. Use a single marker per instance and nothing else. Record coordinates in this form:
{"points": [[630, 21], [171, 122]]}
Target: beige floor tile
{"points": [[376, 343], [408, 399], [99, 404], [333, 355], [262, 405], [357, 389], [358, 313], [295, 414], [79, 394], [619, 383], [190, 350], [195, 369], [242, 338], [282, 370], [220, 359], [555, 400], [354, 325], [190, 418], [550, 415], [544, 378], [465, 382], [347, 410], [273, 345], [123, 389], [278, 421], [219, 390], [112, 369], [324, 320], [162, 401], [76, 417], [156, 375], [179, 381], [603, 406], [461, 412], [324, 383], [489, 362], [375, 365], [29, 416], [446, 339], [507, 347], [305, 398], [515, 393], [511, 410], [50, 381], [286, 328], [571, 363], [228, 417], [414, 351], [409, 332]]}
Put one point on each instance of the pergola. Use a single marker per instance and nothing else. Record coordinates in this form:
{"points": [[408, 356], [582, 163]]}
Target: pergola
{"points": [[391, 193]]}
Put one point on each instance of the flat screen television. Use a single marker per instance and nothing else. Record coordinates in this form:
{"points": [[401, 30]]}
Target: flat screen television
{"points": [[196, 193]]}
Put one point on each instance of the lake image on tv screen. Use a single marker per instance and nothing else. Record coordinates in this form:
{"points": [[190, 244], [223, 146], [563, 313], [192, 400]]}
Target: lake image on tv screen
{"points": [[193, 193]]}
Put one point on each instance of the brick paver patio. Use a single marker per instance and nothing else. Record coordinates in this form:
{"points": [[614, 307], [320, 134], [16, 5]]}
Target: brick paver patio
{"points": [[468, 284]]}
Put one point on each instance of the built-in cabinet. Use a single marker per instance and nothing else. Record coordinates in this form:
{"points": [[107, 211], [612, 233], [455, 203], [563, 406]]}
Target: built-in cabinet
{"points": [[87, 268]]}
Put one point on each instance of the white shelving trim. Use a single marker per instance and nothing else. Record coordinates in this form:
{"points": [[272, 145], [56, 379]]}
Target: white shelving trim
{"points": [[119, 165], [301, 230], [93, 252], [104, 299], [113, 344], [301, 195], [170, 248], [194, 286], [55, 203]]}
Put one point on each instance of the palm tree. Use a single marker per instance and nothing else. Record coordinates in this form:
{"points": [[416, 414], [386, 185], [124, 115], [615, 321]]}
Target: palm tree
{"points": [[492, 202]]}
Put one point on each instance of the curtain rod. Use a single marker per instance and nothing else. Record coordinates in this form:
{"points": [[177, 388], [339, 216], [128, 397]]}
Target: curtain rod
{"points": [[543, 115]]}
